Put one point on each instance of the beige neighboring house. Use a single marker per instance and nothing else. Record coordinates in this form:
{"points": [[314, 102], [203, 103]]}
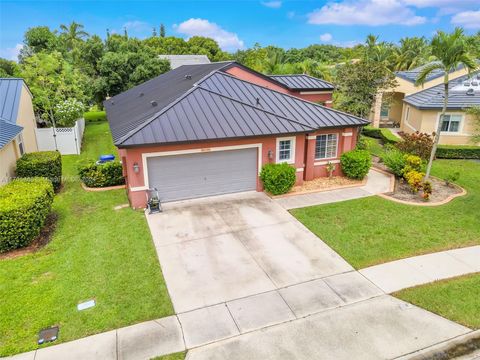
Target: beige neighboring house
{"points": [[179, 60], [418, 108], [17, 125]]}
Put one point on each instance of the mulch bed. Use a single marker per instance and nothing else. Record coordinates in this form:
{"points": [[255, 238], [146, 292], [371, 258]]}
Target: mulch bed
{"points": [[440, 193], [39, 242], [324, 183]]}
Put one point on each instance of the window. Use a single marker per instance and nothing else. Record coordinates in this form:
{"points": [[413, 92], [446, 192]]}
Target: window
{"points": [[286, 150], [385, 109], [326, 146], [21, 149], [407, 115], [451, 123]]}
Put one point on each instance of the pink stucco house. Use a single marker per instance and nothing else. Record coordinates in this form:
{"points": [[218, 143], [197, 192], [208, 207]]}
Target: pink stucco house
{"points": [[207, 129]]}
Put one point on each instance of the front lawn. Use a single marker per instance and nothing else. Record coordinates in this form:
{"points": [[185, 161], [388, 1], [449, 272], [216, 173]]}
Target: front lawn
{"points": [[95, 253], [373, 230], [456, 299]]}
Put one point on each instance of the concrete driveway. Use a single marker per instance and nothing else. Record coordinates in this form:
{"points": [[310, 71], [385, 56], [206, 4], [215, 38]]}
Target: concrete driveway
{"points": [[223, 248]]}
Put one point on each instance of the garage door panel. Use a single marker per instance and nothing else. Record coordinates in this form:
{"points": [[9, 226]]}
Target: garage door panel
{"points": [[202, 174]]}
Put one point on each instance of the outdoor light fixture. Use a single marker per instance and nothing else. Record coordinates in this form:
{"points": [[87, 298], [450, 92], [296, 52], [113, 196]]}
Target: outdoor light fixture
{"points": [[270, 155], [136, 168]]}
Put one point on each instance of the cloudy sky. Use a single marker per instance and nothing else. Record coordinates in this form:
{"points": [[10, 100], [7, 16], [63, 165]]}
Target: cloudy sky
{"points": [[238, 24]]}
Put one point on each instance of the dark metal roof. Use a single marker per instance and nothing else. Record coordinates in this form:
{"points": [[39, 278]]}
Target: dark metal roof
{"points": [[303, 82], [10, 93], [458, 99], [205, 115], [412, 75], [306, 112], [130, 109], [212, 105], [8, 131]]}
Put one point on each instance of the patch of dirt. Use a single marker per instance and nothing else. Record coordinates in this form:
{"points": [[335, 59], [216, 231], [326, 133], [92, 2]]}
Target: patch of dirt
{"points": [[377, 163], [39, 242], [324, 183], [440, 192]]}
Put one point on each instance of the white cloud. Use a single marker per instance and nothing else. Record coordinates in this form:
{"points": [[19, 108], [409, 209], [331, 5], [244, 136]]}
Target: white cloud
{"points": [[11, 53], [326, 37], [365, 12], [275, 4], [136, 25], [201, 27], [444, 6], [291, 14], [467, 19]]}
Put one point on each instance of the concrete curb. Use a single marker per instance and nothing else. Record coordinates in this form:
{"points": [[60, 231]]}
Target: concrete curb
{"points": [[449, 349], [86, 188]]}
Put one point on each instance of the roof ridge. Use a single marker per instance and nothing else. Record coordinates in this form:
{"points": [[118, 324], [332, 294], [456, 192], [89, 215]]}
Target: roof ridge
{"points": [[295, 98]]}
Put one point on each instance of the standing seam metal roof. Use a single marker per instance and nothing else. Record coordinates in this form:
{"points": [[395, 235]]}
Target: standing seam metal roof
{"points": [[8, 131], [303, 82], [10, 94]]}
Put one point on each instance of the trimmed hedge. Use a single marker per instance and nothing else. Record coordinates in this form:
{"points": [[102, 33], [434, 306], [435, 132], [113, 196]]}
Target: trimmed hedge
{"points": [[102, 175], [46, 164], [380, 133], [356, 163], [458, 152], [278, 178], [92, 116], [24, 206]]}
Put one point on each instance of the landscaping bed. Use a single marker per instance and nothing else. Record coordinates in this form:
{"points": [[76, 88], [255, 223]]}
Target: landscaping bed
{"points": [[323, 184]]}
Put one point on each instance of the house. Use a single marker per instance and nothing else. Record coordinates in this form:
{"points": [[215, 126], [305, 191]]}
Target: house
{"points": [[422, 110], [207, 129], [390, 115], [17, 125], [179, 60]]}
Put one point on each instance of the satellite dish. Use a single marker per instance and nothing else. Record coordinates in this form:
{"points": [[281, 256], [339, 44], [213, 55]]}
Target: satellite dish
{"points": [[470, 92]]}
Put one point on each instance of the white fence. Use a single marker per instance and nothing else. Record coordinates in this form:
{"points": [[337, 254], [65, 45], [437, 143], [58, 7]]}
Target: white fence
{"points": [[66, 140]]}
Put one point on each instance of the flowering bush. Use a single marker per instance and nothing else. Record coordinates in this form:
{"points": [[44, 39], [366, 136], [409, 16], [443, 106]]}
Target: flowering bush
{"points": [[67, 112], [414, 179]]}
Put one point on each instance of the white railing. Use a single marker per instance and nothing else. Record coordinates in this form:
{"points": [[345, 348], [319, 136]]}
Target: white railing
{"points": [[66, 140]]}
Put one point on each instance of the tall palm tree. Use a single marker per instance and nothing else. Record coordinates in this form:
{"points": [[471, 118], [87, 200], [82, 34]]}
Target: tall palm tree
{"points": [[72, 34], [451, 51], [411, 53]]}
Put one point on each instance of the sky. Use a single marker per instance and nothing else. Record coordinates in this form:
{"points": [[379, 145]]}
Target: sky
{"points": [[239, 24]]}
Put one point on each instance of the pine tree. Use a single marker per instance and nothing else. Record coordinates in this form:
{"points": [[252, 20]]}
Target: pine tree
{"points": [[162, 30]]}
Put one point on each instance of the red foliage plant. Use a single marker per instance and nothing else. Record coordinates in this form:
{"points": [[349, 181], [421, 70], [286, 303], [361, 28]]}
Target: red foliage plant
{"points": [[416, 143]]}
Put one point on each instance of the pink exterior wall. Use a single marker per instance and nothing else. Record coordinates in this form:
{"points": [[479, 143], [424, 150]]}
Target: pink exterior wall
{"points": [[307, 168], [250, 77]]}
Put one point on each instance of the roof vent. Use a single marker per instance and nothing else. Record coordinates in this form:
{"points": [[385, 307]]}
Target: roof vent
{"points": [[112, 102], [258, 101], [474, 83], [154, 103], [141, 94], [188, 77], [466, 83], [471, 92]]}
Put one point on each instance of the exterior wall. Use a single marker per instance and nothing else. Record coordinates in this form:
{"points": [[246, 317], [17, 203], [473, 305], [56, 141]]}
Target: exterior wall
{"points": [[395, 112], [8, 155], [307, 169], [427, 121], [26, 119], [313, 96]]}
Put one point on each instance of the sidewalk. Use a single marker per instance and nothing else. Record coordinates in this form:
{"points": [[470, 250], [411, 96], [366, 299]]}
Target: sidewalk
{"points": [[377, 183], [418, 270]]}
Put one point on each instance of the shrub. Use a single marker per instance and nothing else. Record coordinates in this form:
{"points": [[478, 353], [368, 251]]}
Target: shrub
{"points": [[278, 178], [102, 175], [91, 116], [380, 133], [356, 163], [412, 162], [46, 164], [451, 178], [67, 112], [427, 190], [414, 179], [395, 161], [458, 152], [24, 206], [417, 143]]}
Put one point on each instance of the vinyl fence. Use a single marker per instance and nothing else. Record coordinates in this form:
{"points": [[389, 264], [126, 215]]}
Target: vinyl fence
{"points": [[66, 140]]}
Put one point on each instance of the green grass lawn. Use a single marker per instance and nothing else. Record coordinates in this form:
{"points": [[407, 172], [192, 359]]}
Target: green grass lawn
{"points": [[176, 356], [457, 299], [95, 253], [373, 230]]}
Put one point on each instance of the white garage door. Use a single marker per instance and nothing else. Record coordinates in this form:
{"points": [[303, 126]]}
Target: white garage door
{"points": [[189, 176]]}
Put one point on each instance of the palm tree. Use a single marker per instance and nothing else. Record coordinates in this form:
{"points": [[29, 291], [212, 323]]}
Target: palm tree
{"points": [[72, 34], [451, 51], [411, 53]]}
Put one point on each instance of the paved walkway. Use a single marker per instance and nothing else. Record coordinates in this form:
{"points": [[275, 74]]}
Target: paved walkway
{"points": [[377, 183], [417, 270]]}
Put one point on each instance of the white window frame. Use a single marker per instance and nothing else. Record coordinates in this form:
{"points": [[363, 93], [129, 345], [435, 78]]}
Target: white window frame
{"points": [[336, 147], [460, 125], [292, 140]]}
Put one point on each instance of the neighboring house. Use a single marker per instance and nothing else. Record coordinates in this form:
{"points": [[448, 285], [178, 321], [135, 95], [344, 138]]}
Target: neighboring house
{"points": [[422, 110], [391, 114], [179, 60], [203, 130], [17, 125]]}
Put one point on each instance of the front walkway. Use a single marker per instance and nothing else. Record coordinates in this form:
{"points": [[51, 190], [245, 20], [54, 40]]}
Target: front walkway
{"points": [[377, 183], [417, 270]]}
